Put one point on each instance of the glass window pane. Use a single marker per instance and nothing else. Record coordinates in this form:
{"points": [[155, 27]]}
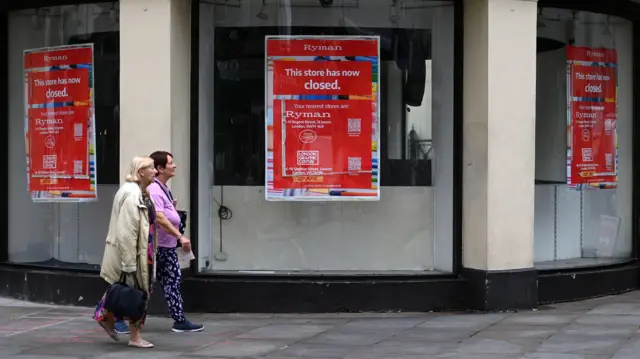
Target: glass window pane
{"points": [[590, 226], [410, 229], [52, 233]]}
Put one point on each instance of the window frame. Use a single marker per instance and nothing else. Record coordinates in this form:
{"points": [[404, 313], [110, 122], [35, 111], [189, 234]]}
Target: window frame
{"points": [[395, 171], [5, 9], [629, 10], [457, 198]]}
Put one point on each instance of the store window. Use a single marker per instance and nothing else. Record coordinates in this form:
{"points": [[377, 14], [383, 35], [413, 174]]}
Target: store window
{"points": [[584, 119], [64, 234], [410, 228]]}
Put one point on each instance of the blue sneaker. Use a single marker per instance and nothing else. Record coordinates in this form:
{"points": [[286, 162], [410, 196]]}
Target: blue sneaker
{"points": [[121, 327], [186, 326]]}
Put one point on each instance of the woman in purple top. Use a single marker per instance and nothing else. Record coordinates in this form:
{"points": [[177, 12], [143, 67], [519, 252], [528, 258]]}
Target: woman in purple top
{"points": [[167, 224]]}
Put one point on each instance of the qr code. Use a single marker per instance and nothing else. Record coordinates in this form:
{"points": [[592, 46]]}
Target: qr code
{"points": [[77, 130], [308, 158], [49, 161], [354, 126], [77, 166], [587, 155], [355, 163]]}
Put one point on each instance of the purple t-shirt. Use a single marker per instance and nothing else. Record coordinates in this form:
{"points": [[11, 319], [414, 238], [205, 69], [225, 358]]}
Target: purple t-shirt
{"points": [[163, 204]]}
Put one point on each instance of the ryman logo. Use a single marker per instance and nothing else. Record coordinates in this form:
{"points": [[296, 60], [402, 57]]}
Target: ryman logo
{"points": [[48, 58], [314, 48]]}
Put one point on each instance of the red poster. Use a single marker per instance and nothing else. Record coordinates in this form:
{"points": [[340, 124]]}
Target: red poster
{"points": [[322, 77], [67, 85], [323, 47], [322, 137], [592, 125], [591, 54], [60, 131], [59, 184], [325, 141], [594, 146], [595, 82], [59, 146], [62, 56]]}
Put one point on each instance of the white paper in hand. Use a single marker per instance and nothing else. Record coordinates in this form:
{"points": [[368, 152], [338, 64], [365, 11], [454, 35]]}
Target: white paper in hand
{"points": [[184, 258]]}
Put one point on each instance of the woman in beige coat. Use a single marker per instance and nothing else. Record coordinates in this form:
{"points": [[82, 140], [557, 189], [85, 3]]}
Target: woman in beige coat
{"points": [[129, 246]]}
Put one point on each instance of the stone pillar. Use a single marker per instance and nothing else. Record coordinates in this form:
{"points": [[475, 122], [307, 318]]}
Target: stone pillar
{"points": [[155, 76], [499, 153]]}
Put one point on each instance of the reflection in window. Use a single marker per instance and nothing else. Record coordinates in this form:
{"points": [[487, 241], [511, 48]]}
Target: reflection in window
{"points": [[593, 226], [63, 234], [406, 141], [410, 230], [106, 46]]}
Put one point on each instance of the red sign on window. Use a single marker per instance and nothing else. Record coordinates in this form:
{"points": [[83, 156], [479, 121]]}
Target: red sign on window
{"points": [[322, 122], [60, 131], [592, 156]]}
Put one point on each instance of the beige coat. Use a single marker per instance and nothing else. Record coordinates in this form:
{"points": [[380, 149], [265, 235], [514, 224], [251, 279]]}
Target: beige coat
{"points": [[128, 239]]}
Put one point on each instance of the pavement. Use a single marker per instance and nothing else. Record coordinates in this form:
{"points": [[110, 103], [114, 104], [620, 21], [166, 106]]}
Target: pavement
{"points": [[592, 329]]}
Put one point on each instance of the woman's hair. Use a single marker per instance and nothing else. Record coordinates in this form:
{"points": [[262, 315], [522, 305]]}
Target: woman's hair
{"points": [[137, 163], [160, 158]]}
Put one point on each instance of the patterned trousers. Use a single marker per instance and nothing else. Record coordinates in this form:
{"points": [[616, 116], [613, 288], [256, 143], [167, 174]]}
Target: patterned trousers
{"points": [[169, 276]]}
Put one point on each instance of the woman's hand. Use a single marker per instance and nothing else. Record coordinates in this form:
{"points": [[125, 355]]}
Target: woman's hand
{"points": [[186, 243]]}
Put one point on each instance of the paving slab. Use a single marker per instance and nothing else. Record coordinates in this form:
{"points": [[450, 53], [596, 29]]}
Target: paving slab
{"points": [[602, 328], [240, 348], [423, 334]]}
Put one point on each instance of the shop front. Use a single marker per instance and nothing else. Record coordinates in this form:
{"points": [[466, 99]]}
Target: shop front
{"points": [[590, 231], [474, 118]]}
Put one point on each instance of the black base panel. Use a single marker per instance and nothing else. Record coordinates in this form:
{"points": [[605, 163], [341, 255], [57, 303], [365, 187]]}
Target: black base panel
{"points": [[563, 286], [249, 295], [315, 295], [52, 287], [475, 290], [501, 290]]}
